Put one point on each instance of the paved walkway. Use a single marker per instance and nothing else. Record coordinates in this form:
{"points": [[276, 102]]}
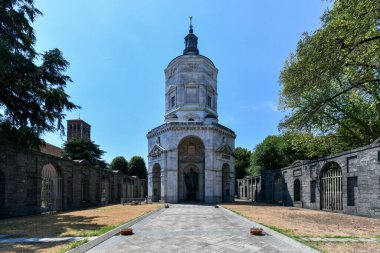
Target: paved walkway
{"points": [[190, 228]]}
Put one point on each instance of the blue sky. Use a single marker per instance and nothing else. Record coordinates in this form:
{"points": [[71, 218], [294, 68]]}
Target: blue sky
{"points": [[118, 50]]}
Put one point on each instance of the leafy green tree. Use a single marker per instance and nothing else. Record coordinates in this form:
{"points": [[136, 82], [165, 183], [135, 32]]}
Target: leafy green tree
{"points": [[269, 154], [242, 162], [331, 84], [119, 163], [278, 151], [305, 145], [137, 167], [32, 96], [84, 149]]}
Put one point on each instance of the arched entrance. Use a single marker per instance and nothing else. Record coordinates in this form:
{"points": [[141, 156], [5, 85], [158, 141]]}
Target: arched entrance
{"points": [[51, 189], [297, 190], [191, 153], [85, 190], [156, 181], [2, 189], [124, 188], [278, 186], [105, 190], [226, 182], [331, 187]]}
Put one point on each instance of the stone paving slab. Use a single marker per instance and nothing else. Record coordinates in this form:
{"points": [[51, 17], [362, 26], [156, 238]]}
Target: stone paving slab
{"points": [[98, 240], [189, 228]]}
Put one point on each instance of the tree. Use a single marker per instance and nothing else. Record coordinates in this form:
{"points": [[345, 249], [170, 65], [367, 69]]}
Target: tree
{"points": [[305, 145], [242, 162], [331, 84], [137, 167], [278, 151], [269, 155], [32, 96], [83, 149], [119, 163]]}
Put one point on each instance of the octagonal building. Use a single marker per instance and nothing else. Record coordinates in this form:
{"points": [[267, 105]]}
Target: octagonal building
{"points": [[191, 155]]}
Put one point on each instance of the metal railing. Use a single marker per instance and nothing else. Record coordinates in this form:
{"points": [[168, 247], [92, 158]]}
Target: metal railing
{"points": [[135, 201]]}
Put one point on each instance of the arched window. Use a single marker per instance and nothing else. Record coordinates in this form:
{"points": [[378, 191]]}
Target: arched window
{"points": [[85, 196], [156, 182], [297, 190], [226, 194]]}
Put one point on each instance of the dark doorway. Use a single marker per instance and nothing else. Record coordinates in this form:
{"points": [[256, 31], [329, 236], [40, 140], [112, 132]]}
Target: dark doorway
{"points": [[156, 181], [192, 184], [278, 187], [191, 156], [297, 190], [2, 190], [226, 183]]}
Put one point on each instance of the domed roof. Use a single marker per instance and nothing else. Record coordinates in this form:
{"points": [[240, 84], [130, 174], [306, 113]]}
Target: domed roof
{"points": [[191, 47], [191, 56]]}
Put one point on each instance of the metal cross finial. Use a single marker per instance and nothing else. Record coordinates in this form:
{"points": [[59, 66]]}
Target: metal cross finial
{"points": [[191, 24]]}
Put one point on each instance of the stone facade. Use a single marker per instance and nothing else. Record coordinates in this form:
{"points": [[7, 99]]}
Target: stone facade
{"points": [[33, 182], [348, 182], [191, 155]]}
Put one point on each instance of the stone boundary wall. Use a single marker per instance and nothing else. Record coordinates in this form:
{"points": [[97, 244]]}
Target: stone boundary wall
{"points": [[356, 191], [80, 184]]}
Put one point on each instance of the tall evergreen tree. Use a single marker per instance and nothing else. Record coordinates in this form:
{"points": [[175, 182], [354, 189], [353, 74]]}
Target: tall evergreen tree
{"points": [[84, 149], [119, 163], [137, 167], [32, 96], [242, 162]]}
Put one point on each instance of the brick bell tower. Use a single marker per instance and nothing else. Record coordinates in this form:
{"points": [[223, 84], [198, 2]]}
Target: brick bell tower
{"points": [[78, 129]]}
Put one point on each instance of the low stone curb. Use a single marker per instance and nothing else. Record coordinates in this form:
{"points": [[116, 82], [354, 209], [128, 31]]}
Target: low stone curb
{"points": [[89, 245], [284, 238]]}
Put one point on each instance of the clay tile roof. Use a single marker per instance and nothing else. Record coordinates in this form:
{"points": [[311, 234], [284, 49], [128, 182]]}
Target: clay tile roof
{"points": [[51, 150]]}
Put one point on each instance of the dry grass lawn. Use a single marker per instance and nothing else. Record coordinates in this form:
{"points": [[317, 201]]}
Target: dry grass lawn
{"points": [[33, 247], [348, 247], [311, 223], [77, 223]]}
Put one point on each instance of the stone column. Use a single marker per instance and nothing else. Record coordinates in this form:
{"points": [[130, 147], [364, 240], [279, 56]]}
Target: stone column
{"points": [[172, 177], [218, 184], [251, 190], [150, 182], [232, 186], [163, 180], [244, 189], [210, 177], [239, 189]]}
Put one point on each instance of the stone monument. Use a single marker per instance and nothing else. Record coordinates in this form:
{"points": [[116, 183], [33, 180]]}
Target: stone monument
{"points": [[191, 155]]}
